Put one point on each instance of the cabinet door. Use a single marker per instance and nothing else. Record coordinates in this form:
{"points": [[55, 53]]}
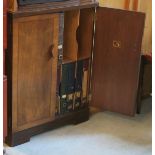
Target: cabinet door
{"points": [[35, 41], [116, 62]]}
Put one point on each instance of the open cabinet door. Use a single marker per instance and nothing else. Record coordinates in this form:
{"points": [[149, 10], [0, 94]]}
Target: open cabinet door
{"points": [[116, 60]]}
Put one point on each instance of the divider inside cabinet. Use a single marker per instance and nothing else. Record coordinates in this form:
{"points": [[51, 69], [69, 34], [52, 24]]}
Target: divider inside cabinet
{"points": [[78, 34], [70, 45], [85, 33], [85, 45], [74, 69]]}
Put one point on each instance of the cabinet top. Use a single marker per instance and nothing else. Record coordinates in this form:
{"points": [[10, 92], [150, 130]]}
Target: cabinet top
{"points": [[52, 7]]}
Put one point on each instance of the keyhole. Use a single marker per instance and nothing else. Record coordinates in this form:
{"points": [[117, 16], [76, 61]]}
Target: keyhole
{"points": [[116, 44]]}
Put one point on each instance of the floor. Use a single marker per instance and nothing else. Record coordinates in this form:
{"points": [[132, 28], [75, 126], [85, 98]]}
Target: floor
{"points": [[105, 133]]}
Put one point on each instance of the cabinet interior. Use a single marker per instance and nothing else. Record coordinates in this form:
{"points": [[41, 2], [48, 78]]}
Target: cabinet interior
{"points": [[70, 46], [85, 36], [74, 70], [78, 34]]}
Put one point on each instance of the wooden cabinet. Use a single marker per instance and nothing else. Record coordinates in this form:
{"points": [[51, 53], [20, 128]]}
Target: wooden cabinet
{"points": [[110, 55]]}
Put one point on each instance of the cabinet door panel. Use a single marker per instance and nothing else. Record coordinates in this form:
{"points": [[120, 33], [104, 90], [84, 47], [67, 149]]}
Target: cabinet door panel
{"points": [[116, 61], [34, 70]]}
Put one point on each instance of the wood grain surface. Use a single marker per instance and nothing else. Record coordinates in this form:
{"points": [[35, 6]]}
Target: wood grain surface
{"points": [[85, 36], [4, 31], [34, 70], [116, 61], [70, 47]]}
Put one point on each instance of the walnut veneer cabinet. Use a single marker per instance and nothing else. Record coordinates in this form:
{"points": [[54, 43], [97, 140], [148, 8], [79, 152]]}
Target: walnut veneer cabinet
{"points": [[109, 38]]}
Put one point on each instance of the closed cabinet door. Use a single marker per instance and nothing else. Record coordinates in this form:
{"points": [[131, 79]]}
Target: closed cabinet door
{"points": [[116, 62], [34, 70]]}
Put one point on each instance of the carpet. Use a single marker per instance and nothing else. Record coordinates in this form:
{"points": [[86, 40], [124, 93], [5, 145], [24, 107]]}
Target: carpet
{"points": [[105, 133]]}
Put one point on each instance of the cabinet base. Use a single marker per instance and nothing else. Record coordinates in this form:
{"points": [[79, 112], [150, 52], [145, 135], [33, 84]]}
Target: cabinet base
{"points": [[24, 136]]}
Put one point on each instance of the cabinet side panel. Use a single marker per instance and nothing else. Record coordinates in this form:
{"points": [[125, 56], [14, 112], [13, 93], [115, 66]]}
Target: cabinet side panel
{"points": [[4, 31], [4, 7], [4, 106]]}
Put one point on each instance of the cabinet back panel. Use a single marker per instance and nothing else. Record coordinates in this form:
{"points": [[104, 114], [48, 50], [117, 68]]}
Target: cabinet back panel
{"points": [[36, 70], [116, 61]]}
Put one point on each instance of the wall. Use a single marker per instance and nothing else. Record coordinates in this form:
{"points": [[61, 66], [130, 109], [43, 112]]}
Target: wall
{"points": [[146, 6], [136, 5], [112, 3]]}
